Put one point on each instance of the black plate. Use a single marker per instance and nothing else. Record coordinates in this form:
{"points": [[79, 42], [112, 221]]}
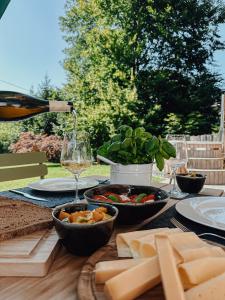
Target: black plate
{"points": [[130, 213]]}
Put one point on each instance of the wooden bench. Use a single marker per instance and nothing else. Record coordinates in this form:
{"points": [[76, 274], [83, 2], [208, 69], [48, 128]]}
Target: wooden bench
{"points": [[15, 166]]}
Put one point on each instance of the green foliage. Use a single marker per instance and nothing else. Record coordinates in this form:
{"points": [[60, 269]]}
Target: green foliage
{"points": [[185, 103], [9, 132], [136, 146], [143, 63], [47, 123]]}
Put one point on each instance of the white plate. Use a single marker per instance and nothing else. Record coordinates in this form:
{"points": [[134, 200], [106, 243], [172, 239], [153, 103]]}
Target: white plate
{"points": [[62, 184], [209, 211]]}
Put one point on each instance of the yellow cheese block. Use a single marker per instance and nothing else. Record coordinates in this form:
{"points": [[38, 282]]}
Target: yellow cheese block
{"points": [[145, 247], [171, 281], [183, 240], [196, 253], [189, 246], [105, 270], [135, 281], [213, 289], [200, 270], [123, 240], [149, 238]]}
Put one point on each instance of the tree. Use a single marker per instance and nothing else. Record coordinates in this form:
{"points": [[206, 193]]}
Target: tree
{"points": [[47, 123], [143, 62]]}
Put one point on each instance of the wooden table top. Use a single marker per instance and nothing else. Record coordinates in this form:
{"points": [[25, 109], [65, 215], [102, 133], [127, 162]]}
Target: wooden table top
{"points": [[61, 281]]}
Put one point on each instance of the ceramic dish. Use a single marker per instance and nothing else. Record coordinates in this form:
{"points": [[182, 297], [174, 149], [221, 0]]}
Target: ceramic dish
{"points": [[131, 213], [191, 185], [65, 184], [209, 211], [84, 239]]}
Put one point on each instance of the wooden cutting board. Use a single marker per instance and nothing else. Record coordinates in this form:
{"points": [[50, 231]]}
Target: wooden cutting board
{"points": [[87, 289], [21, 246], [37, 263]]}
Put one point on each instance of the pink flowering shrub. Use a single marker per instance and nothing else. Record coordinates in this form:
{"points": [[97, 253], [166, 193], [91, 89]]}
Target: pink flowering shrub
{"points": [[29, 142]]}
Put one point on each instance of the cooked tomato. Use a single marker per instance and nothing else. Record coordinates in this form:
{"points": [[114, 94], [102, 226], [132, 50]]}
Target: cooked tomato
{"points": [[147, 198], [101, 198]]}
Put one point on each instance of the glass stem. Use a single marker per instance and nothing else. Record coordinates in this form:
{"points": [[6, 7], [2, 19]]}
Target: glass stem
{"points": [[174, 180], [77, 199]]}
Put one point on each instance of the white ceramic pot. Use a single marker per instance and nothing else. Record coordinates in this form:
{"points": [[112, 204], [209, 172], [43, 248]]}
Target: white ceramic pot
{"points": [[131, 174]]}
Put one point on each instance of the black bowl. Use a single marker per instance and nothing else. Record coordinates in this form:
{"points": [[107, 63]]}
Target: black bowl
{"points": [[131, 213], [192, 185], [84, 239]]}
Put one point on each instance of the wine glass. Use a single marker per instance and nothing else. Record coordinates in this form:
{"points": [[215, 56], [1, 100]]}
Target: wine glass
{"points": [[181, 159], [76, 155]]}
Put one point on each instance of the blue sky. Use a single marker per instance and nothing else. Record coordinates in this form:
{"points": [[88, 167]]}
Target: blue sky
{"points": [[32, 44]]}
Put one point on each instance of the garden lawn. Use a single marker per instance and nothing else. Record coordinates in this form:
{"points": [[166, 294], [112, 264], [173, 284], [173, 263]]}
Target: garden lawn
{"points": [[54, 170]]}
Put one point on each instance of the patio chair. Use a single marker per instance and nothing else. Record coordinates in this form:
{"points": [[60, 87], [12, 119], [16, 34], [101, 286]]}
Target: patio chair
{"points": [[15, 166], [206, 153]]}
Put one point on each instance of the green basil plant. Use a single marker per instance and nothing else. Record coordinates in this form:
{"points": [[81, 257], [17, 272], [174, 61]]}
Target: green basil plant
{"points": [[137, 146]]}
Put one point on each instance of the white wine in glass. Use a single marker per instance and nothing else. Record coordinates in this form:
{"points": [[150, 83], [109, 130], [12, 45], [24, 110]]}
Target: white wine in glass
{"points": [[76, 155], [74, 167]]}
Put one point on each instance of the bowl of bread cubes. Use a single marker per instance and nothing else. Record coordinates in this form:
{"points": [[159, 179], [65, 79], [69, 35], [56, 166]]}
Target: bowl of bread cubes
{"points": [[84, 228]]}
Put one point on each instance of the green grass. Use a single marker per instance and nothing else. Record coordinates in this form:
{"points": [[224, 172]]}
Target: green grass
{"points": [[54, 170]]}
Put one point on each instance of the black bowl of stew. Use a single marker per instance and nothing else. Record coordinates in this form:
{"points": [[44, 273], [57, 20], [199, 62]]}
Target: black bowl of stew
{"points": [[130, 212]]}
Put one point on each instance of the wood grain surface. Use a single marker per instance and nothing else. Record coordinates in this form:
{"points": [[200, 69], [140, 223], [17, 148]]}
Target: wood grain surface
{"points": [[21, 246], [62, 278], [59, 284], [88, 290], [36, 264]]}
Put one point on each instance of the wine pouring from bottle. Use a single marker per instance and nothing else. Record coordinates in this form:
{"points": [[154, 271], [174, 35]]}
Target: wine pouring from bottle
{"points": [[16, 106]]}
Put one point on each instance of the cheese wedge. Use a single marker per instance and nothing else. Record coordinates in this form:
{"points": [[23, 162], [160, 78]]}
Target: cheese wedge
{"points": [[183, 240], [134, 244], [135, 281], [105, 270], [200, 270], [123, 240], [171, 281], [213, 289], [196, 253], [145, 246], [189, 246]]}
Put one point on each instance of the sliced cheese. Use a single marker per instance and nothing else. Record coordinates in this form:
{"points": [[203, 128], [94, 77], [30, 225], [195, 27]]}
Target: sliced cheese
{"points": [[200, 270], [135, 281], [145, 247], [134, 244], [213, 289], [196, 253], [183, 240], [171, 281], [189, 246], [105, 270], [123, 240]]}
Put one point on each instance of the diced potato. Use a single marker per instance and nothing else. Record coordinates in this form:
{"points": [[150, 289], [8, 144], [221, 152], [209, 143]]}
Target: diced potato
{"points": [[98, 216], [106, 216], [86, 216], [63, 215], [74, 216], [101, 209]]}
